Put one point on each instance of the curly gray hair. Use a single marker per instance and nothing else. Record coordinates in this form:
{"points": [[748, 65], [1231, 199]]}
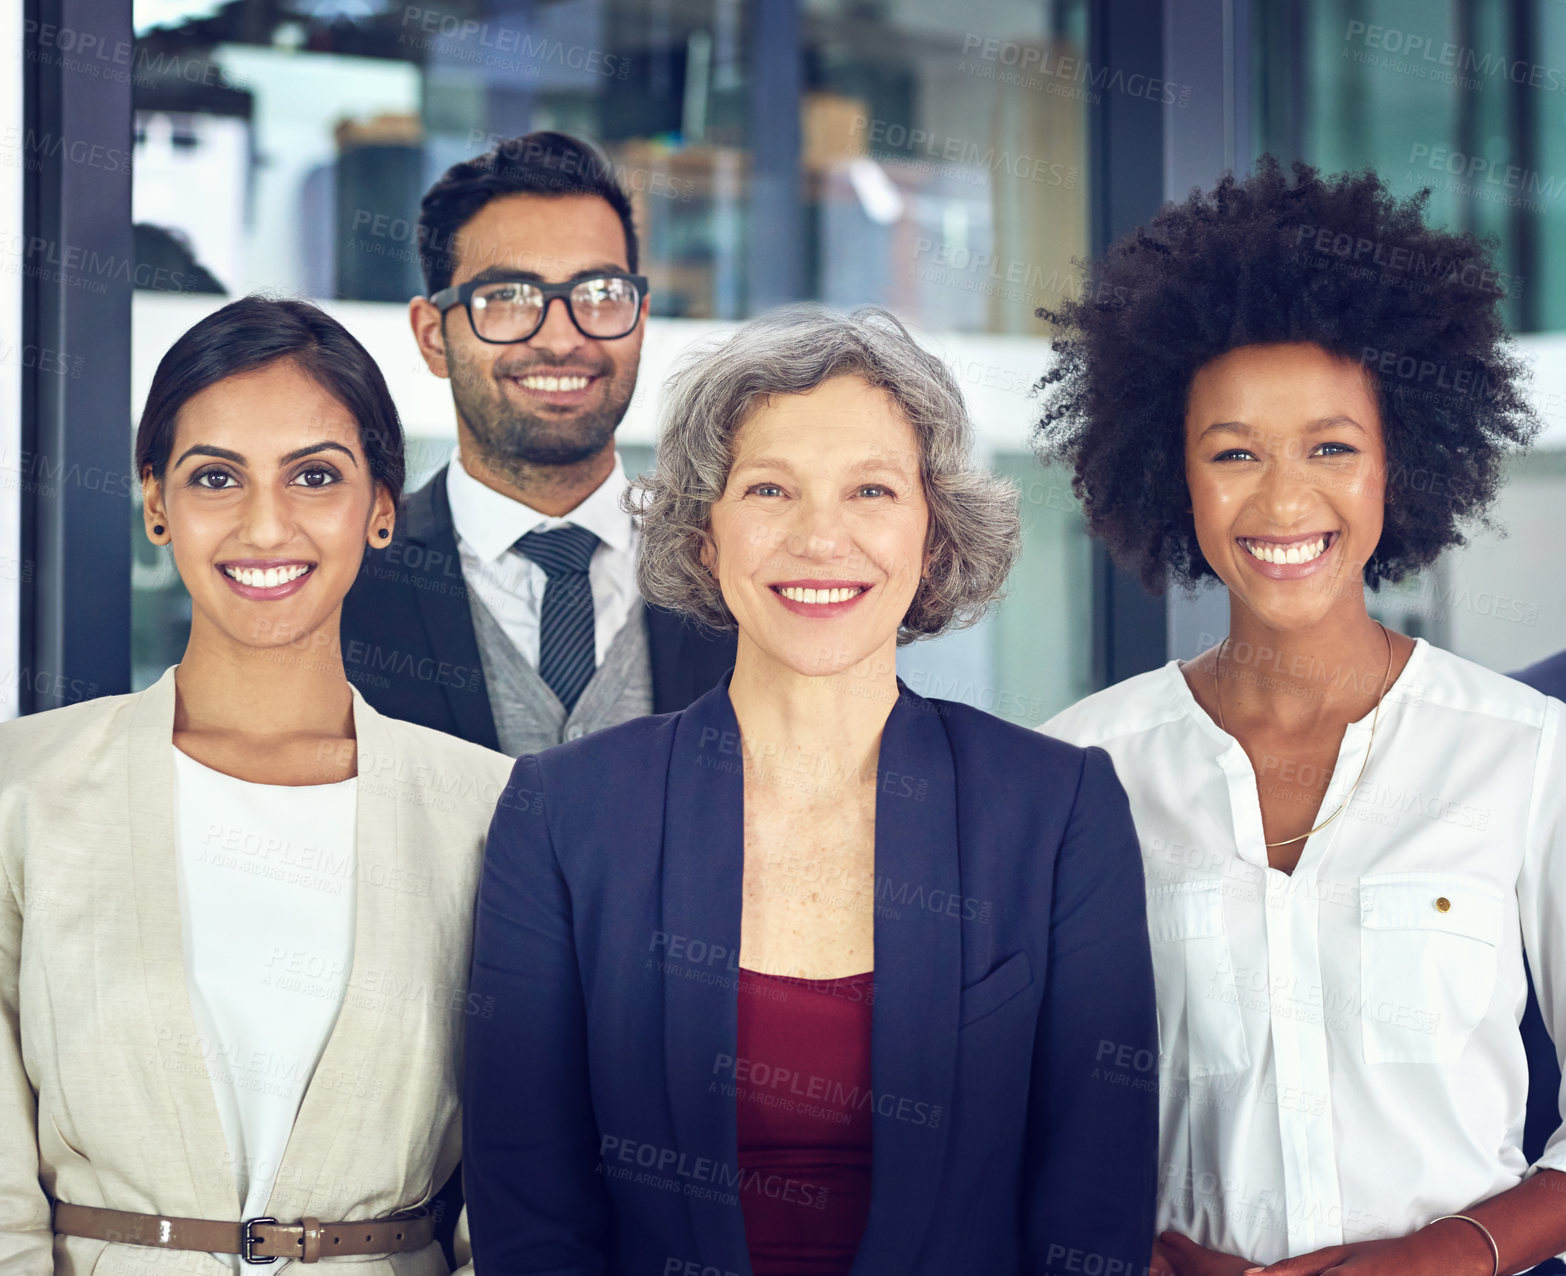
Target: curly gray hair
{"points": [[975, 530]]}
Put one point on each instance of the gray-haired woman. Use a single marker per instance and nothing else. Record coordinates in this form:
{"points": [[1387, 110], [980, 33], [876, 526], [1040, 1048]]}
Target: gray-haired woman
{"points": [[740, 952]]}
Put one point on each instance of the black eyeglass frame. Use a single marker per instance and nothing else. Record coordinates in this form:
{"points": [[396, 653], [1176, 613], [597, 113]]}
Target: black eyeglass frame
{"points": [[462, 294]]}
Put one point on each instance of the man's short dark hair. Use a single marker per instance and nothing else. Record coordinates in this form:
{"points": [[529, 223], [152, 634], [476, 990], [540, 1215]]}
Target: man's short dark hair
{"points": [[542, 163]]}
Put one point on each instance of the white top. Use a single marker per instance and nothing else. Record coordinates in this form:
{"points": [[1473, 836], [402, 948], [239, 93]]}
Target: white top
{"points": [[511, 585], [266, 901], [1339, 1053]]}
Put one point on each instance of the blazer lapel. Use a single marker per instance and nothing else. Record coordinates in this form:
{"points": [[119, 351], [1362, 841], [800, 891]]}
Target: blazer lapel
{"points": [[703, 864], [191, 1122], [363, 1043], [448, 624], [918, 980]]}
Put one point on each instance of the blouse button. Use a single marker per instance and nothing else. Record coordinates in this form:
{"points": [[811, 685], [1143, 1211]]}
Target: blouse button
{"points": [[1443, 904]]}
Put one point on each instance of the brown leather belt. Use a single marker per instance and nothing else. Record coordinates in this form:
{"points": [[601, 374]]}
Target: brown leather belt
{"points": [[256, 1240]]}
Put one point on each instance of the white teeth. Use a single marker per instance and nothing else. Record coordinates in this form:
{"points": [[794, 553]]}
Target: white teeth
{"points": [[268, 578], [1299, 552], [819, 596], [555, 384]]}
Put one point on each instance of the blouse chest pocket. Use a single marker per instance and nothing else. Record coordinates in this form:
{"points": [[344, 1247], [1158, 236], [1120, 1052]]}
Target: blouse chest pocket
{"points": [[1427, 963], [1193, 970]]}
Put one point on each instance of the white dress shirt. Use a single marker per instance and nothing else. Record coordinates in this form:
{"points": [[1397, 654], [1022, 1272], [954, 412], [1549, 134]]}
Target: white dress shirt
{"points": [[266, 901], [1339, 1052], [511, 585]]}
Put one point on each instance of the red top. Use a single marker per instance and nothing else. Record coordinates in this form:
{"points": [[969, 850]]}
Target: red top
{"points": [[805, 1106]]}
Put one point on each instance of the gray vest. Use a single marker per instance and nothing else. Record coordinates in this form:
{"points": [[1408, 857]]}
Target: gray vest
{"points": [[529, 717]]}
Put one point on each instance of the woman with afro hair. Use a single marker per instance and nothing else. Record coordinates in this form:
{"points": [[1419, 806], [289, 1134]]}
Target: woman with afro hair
{"points": [[1351, 838]]}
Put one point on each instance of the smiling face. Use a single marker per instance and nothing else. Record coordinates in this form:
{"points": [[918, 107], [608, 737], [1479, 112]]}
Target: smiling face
{"points": [[818, 542], [1285, 462], [556, 398], [268, 504]]}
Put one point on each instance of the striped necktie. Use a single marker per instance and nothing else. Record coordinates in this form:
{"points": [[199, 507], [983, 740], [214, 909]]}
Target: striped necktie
{"points": [[567, 655]]}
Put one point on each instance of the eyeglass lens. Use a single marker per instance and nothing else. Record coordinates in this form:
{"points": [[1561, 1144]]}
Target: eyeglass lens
{"points": [[512, 311]]}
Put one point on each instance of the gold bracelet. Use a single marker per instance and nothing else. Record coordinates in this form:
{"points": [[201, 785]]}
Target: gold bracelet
{"points": [[1494, 1248]]}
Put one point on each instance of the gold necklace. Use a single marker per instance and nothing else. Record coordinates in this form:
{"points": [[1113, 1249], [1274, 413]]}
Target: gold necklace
{"points": [[1386, 682]]}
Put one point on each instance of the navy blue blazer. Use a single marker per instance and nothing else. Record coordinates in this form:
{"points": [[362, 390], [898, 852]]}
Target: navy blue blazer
{"points": [[409, 645], [1013, 1029]]}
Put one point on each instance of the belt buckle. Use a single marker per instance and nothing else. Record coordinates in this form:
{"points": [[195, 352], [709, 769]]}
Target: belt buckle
{"points": [[248, 1239]]}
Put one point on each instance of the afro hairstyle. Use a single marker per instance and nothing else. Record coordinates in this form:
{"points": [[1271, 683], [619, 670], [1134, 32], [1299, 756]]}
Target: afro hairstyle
{"points": [[1340, 262]]}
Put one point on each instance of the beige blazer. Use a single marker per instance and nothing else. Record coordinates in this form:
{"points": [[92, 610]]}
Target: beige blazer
{"points": [[105, 1097]]}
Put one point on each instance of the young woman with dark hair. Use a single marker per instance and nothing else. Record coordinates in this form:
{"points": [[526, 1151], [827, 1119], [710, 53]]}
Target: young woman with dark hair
{"points": [[235, 907], [1350, 837]]}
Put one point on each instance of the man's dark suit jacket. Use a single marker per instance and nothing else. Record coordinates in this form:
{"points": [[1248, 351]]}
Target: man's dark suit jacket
{"points": [[409, 645], [1013, 1040]]}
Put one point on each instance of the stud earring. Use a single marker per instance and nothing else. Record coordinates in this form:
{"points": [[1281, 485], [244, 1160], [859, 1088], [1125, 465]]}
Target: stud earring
{"points": [[383, 533], [157, 529]]}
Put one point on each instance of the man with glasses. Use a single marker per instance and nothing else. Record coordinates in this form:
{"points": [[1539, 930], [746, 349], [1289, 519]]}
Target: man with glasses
{"points": [[505, 608]]}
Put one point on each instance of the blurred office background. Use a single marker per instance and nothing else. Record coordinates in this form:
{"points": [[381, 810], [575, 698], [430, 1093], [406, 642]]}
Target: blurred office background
{"points": [[949, 159]]}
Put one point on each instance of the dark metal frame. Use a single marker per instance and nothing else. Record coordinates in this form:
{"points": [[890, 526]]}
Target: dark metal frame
{"points": [[1208, 49], [1144, 151], [1522, 104], [78, 275], [1126, 161], [775, 274]]}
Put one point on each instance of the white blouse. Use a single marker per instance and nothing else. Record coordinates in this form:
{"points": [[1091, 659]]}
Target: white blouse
{"points": [[1339, 1052], [266, 899]]}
